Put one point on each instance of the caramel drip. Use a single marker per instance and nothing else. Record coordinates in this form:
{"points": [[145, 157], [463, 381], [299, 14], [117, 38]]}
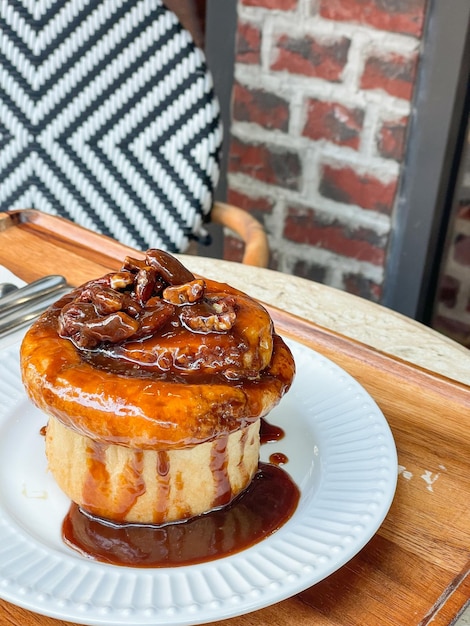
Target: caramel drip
{"points": [[218, 464], [270, 432], [241, 463], [163, 487], [97, 486], [131, 484], [278, 458], [182, 511], [99, 497]]}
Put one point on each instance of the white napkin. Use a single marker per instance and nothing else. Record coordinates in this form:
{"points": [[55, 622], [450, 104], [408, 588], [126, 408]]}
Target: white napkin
{"points": [[8, 277]]}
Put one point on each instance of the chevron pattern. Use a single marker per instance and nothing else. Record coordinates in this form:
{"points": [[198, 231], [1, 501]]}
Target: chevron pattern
{"points": [[108, 118]]}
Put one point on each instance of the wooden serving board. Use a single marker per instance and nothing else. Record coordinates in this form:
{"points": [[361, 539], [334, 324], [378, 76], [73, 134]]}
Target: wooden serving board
{"points": [[416, 569]]}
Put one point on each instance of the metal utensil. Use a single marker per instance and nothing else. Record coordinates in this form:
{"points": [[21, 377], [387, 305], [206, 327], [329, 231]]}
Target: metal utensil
{"points": [[6, 288], [26, 313], [40, 288]]}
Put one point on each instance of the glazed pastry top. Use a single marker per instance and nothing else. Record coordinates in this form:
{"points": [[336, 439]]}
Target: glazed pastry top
{"points": [[152, 357]]}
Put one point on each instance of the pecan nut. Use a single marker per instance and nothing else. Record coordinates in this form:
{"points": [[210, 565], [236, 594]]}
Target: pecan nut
{"points": [[209, 316], [187, 293], [169, 268]]}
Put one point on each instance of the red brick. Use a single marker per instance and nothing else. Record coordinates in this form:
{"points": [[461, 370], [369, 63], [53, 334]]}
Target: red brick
{"points": [[334, 122], [462, 250], [312, 57], [464, 210], [394, 73], [271, 164], [233, 249], [391, 139], [448, 291], [455, 329], [305, 227], [398, 16], [249, 203], [260, 107], [276, 5], [359, 285], [248, 46], [344, 184], [311, 271], [258, 207]]}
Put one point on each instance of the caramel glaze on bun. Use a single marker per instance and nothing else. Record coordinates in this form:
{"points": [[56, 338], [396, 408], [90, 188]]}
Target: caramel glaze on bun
{"points": [[151, 358]]}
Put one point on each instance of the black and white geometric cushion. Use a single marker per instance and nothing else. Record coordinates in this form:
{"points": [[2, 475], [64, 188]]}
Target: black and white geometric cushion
{"points": [[107, 117]]}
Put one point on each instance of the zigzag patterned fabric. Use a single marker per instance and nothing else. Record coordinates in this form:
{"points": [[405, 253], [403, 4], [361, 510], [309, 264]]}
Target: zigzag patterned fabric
{"points": [[107, 117]]}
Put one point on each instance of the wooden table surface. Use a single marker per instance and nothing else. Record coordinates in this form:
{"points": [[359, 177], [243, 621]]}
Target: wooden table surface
{"points": [[416, 569]]}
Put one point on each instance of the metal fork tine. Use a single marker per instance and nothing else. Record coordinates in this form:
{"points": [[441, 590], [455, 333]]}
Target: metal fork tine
{"points": [[28, 312], [31, 292]]}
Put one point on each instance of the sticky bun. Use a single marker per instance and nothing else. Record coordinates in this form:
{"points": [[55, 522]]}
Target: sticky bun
{"points": [[154, 382]]}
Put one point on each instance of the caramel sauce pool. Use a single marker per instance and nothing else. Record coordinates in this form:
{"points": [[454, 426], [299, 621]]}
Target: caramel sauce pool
{"points": [[267, 503], [262, 508]]}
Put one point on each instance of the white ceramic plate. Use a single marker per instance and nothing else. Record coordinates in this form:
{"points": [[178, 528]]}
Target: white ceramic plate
{"points": [[341, 454]]}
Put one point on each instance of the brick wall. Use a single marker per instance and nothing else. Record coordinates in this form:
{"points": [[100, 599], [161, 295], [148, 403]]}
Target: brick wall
{"points": [[320, 108]]}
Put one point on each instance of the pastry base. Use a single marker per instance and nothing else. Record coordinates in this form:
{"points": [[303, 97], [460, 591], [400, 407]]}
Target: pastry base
{"points": [[148, 486]]}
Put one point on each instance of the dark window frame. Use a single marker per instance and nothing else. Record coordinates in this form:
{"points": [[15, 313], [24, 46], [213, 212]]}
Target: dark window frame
{"points": [[221, 28], [430, 171]]}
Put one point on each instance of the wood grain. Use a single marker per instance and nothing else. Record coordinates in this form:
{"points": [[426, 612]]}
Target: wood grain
{"points": [[415, 570]]}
